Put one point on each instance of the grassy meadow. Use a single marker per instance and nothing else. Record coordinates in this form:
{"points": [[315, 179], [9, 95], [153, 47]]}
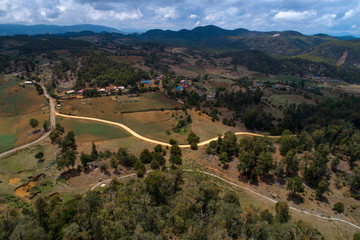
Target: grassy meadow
{"points": [[17, 106]]}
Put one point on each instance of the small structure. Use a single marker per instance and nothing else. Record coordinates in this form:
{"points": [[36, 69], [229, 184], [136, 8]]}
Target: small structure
{"points": [[282, 87], [70, 92], [179, 88], [145, 81], [28, 83]]}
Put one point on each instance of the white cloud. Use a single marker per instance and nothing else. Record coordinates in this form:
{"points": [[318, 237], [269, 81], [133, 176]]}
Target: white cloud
{"points": [[349, 14], [294, 15], [128, 15], [193, 16], [232, 11], [166, 12]]}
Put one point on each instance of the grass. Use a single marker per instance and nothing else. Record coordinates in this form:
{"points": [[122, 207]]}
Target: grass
{"points": [[6, 142], [108, 108], [16, 100], [92, 131], [288, 99]]}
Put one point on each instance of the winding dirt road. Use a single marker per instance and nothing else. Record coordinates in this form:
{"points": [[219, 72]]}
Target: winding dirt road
{"points": [[135, 134], [44, 136], [244, 188]]}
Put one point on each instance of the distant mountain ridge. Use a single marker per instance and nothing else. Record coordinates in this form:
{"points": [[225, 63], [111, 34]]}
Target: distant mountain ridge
{"points": [[18, 29]]}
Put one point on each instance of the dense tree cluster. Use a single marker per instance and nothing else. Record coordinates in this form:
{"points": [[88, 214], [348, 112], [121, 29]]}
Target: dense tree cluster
{"points": [[226, 147], [101, 69], [165, 205], [255, 156]]}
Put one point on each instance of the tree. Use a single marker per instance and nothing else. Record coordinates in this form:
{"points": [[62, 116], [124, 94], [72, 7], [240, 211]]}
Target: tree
{"points": [[175, 159], [194, 146], [266, 215], [192, 138], [145, 156], [322, 188], [229, 144], [125, 158], [153, 182], [288, 142], [85, 159], [172, 141], [39, 155], [154, 164], [291, 162], [158, 148], [295, 185], [338, 207], [355, 183], [356, 236], [94, 152], [159, 158], [282, 212], [55, 137], [34, 123], [46, 125], [255, 157], [70, 157], [68, 143], [224, 158], [175, 150]]}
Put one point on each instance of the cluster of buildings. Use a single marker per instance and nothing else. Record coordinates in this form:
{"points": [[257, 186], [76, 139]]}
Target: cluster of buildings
{"points": [[323, 79], [282, 87], [110, 89], [184, 83]]}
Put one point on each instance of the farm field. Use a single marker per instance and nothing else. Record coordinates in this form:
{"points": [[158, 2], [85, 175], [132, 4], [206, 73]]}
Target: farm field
{"points": [[286, 100], [16, 100], [109, 108], [18, 105], [91, 131]]}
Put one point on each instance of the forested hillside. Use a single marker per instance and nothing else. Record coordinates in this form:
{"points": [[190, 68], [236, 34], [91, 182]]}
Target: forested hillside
{"points": [[165, 205]]}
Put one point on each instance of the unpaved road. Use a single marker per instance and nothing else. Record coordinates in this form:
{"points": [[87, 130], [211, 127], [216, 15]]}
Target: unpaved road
{"points": [[244, 188], [135, 134], [52, 126]]}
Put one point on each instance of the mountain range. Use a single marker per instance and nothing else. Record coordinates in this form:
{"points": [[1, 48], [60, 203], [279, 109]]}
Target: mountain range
{"points": [[318, 47], [17, 29]]}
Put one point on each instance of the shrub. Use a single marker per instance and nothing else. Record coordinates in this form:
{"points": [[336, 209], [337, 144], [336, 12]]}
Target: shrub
{"points": [[338, 207], [172, 141]]}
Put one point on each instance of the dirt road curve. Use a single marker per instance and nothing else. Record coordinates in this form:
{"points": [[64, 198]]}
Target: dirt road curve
{"points": [[132, 132], [52, 125], [244, 188]]}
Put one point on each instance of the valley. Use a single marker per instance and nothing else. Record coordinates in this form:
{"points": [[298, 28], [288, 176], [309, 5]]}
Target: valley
{"points": [[185, 120]]}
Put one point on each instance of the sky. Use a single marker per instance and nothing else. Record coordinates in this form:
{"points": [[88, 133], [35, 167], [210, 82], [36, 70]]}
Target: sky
{"points": [[336, 17]]}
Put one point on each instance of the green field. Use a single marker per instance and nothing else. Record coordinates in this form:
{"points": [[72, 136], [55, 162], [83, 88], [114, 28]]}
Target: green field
{"points": [[286, 100], [16, 100], [6, 142], [92, 131], [17, 106], [283, 79]]}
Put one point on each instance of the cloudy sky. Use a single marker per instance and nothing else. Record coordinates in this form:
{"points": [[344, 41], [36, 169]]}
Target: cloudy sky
{"points": [[307, 16]]}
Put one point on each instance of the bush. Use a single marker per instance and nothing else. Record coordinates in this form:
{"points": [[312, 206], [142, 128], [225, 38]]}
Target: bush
{"points": [[356, 236], [172, 141], [154, 164], [39, 155], [338, 207], [194, 146]]}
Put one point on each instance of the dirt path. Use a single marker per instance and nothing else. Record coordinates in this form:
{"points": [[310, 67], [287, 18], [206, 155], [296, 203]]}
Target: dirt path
{"points": [[135, 134], [102, 183], [52, 126], [342, 60]]}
